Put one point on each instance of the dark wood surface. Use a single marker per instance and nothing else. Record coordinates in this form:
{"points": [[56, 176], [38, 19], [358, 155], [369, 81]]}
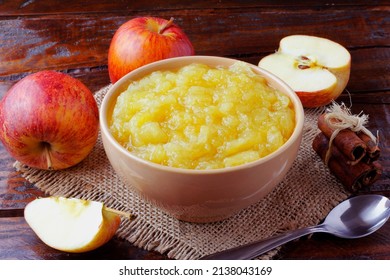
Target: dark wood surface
{"points": [[74, 36]]}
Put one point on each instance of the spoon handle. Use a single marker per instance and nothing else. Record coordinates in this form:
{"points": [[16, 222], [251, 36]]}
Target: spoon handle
{"points": [[252, 250]]}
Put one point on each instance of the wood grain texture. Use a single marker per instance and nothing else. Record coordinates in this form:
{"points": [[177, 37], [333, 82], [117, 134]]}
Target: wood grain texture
{"points": [[40, 7], [364, 77], [15, 191], [63, 42], [73, 37], [323, 246], [18, 241]]}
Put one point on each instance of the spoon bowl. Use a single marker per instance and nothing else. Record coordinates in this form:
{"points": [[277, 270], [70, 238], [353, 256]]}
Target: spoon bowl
{"points": [[356, 217]]}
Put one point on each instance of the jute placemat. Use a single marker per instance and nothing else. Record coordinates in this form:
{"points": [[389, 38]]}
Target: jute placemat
{"points": [[303, 198]]}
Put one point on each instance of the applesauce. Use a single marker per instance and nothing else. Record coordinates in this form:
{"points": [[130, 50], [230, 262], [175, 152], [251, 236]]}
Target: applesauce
{"points": [[200, 117]]}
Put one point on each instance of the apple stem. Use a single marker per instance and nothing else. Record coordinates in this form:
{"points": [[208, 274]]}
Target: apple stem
{"points": [[165, 26], [121, 213], [49, 162]]}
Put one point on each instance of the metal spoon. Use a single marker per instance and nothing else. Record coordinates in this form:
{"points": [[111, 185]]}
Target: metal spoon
{"points": [[353, 218]]}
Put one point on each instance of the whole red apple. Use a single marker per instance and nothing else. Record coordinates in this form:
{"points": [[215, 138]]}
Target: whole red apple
{"points": [[49, 120], [143, 40]]}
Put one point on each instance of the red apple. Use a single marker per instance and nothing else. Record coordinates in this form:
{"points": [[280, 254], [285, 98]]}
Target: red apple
{"points": [[143, 40], [49, 120]]}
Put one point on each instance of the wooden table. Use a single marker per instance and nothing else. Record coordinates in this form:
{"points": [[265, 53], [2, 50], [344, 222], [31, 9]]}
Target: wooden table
{"points": [[74, 36]]}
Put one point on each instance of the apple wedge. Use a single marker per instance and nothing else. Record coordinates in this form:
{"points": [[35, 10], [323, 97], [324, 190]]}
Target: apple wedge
{"points": [[71, 224], [317, 69]]}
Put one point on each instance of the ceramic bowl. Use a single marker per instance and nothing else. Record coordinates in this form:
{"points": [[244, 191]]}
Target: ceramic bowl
{"points": [[199, 195]]}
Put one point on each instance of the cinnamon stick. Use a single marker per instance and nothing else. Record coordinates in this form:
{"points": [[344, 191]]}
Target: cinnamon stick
{"points": [[347, 142], [373, 151], [353, 177]]}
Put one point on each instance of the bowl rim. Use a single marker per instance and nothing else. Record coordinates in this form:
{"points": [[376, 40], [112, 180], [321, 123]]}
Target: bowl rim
{"points": [[297, 133]]}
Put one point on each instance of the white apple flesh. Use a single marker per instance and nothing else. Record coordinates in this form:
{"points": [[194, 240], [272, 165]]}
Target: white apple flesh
{"points": [[317, 69], [70, 224]]}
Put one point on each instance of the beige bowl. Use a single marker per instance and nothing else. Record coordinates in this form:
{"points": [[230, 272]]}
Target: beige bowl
{"points": [[199, 195]]}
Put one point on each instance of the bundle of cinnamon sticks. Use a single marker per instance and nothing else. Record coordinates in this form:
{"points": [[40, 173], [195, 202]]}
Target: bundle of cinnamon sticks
{"points": [[351, 156]]}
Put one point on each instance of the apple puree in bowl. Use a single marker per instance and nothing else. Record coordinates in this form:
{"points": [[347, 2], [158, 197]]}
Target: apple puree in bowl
{"points": [[200, 117]]}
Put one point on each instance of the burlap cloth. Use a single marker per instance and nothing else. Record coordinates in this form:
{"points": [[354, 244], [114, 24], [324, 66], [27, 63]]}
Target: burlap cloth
{"points": [[303, 198]]}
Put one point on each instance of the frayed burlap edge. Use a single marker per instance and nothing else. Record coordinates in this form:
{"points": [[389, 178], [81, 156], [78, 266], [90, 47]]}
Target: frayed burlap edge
{"points": [[154, 230]]}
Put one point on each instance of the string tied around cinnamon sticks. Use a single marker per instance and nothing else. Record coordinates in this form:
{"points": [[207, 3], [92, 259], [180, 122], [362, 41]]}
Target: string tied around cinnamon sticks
{"points": [[348, 148], [339, 117]]}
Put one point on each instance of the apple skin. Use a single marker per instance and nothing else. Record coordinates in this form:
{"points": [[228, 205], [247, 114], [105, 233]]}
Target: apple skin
{"points": [[107, 230], [143, 40], [324, 97], [49, 120], [318, 98]]}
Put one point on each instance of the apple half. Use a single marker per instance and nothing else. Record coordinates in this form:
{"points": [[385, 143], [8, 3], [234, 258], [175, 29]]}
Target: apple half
{"points": [[317, 69], [71, 224]]}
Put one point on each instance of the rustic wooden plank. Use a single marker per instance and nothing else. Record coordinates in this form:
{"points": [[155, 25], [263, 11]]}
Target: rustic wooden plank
{"points": [[18, 241], [28, 7], [15, 191], [62, 42], [369, 72], [323, 246], [53, 43], [380, 97], [73, 37], [370, 68]]}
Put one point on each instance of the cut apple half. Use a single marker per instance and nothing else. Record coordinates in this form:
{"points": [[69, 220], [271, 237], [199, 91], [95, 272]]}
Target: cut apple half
{"points": [[317, 69], [71, 224]]}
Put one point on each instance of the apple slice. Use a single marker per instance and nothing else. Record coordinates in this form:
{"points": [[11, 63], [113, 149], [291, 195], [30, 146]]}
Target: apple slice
{"points": [[317, 69], [71, 224]]}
